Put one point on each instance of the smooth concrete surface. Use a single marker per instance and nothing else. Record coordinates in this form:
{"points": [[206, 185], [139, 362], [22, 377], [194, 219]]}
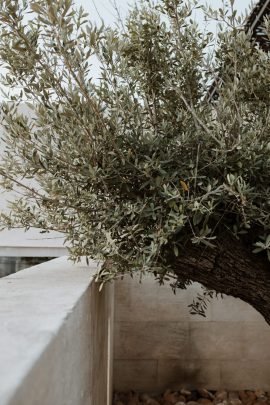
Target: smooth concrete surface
{"points": [[55, 339], [159, 344]]}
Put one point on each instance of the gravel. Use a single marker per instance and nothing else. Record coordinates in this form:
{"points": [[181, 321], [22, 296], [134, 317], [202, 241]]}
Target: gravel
{"points": [[193, 397]]}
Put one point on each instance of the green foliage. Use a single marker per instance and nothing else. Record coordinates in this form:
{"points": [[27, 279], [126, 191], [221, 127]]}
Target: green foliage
{"points": [[134, 166]]}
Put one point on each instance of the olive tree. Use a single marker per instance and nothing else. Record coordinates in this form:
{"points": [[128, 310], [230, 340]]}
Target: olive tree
{"points": [[137, 167]]}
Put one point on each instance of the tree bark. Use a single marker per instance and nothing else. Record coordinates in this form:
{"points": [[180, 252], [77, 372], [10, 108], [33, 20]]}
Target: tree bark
{"points": [[230, 268]]}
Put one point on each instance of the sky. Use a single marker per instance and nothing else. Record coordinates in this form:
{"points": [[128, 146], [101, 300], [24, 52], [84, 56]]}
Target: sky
{"points": [[105, 8]]}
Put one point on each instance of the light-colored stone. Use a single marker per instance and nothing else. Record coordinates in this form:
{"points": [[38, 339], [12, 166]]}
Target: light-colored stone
{"points": [[243, 374], [215, 341], [135, 301], [128, 375], [231, 309], [171, 373], [203, 373], [179, 373], [148, 301], [151, 340], [256, 340], [172, 307]]}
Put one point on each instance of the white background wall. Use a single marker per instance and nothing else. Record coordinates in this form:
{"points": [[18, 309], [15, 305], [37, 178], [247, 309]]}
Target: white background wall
{"points": [[17, 242]]}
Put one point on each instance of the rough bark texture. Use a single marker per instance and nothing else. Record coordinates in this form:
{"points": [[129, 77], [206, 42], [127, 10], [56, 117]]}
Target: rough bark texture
{"points": [[231, 268]]}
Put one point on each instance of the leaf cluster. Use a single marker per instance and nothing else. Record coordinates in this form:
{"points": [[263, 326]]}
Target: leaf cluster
{"points": [[134, 165]]}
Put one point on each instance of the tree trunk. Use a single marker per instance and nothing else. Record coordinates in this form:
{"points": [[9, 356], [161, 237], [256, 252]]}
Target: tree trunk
{"points": [[231, 268]]}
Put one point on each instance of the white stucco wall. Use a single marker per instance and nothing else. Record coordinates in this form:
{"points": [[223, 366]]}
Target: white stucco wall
{"points": [[16, 242]]}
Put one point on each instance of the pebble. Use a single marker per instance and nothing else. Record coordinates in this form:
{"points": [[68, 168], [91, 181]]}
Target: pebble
{"points": [[201, 397], [186, 393], [204, 393], [170, 398], [259, 393], [261, 402], [147, 400], [251, 395], [152, 401], [232, 395], [205, 401], [235, 402], [243, 396], [220, 396]]}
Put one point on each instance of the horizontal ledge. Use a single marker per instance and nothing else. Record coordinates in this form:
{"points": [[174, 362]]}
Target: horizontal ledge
{"points": [[26, 251]]}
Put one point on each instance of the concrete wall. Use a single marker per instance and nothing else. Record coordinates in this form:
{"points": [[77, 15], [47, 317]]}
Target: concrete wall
{"points": [[158, 344], [55, 336]]}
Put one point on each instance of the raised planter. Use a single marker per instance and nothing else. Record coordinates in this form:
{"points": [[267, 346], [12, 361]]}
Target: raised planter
{"points": [[57, 331], [56, 334]]}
